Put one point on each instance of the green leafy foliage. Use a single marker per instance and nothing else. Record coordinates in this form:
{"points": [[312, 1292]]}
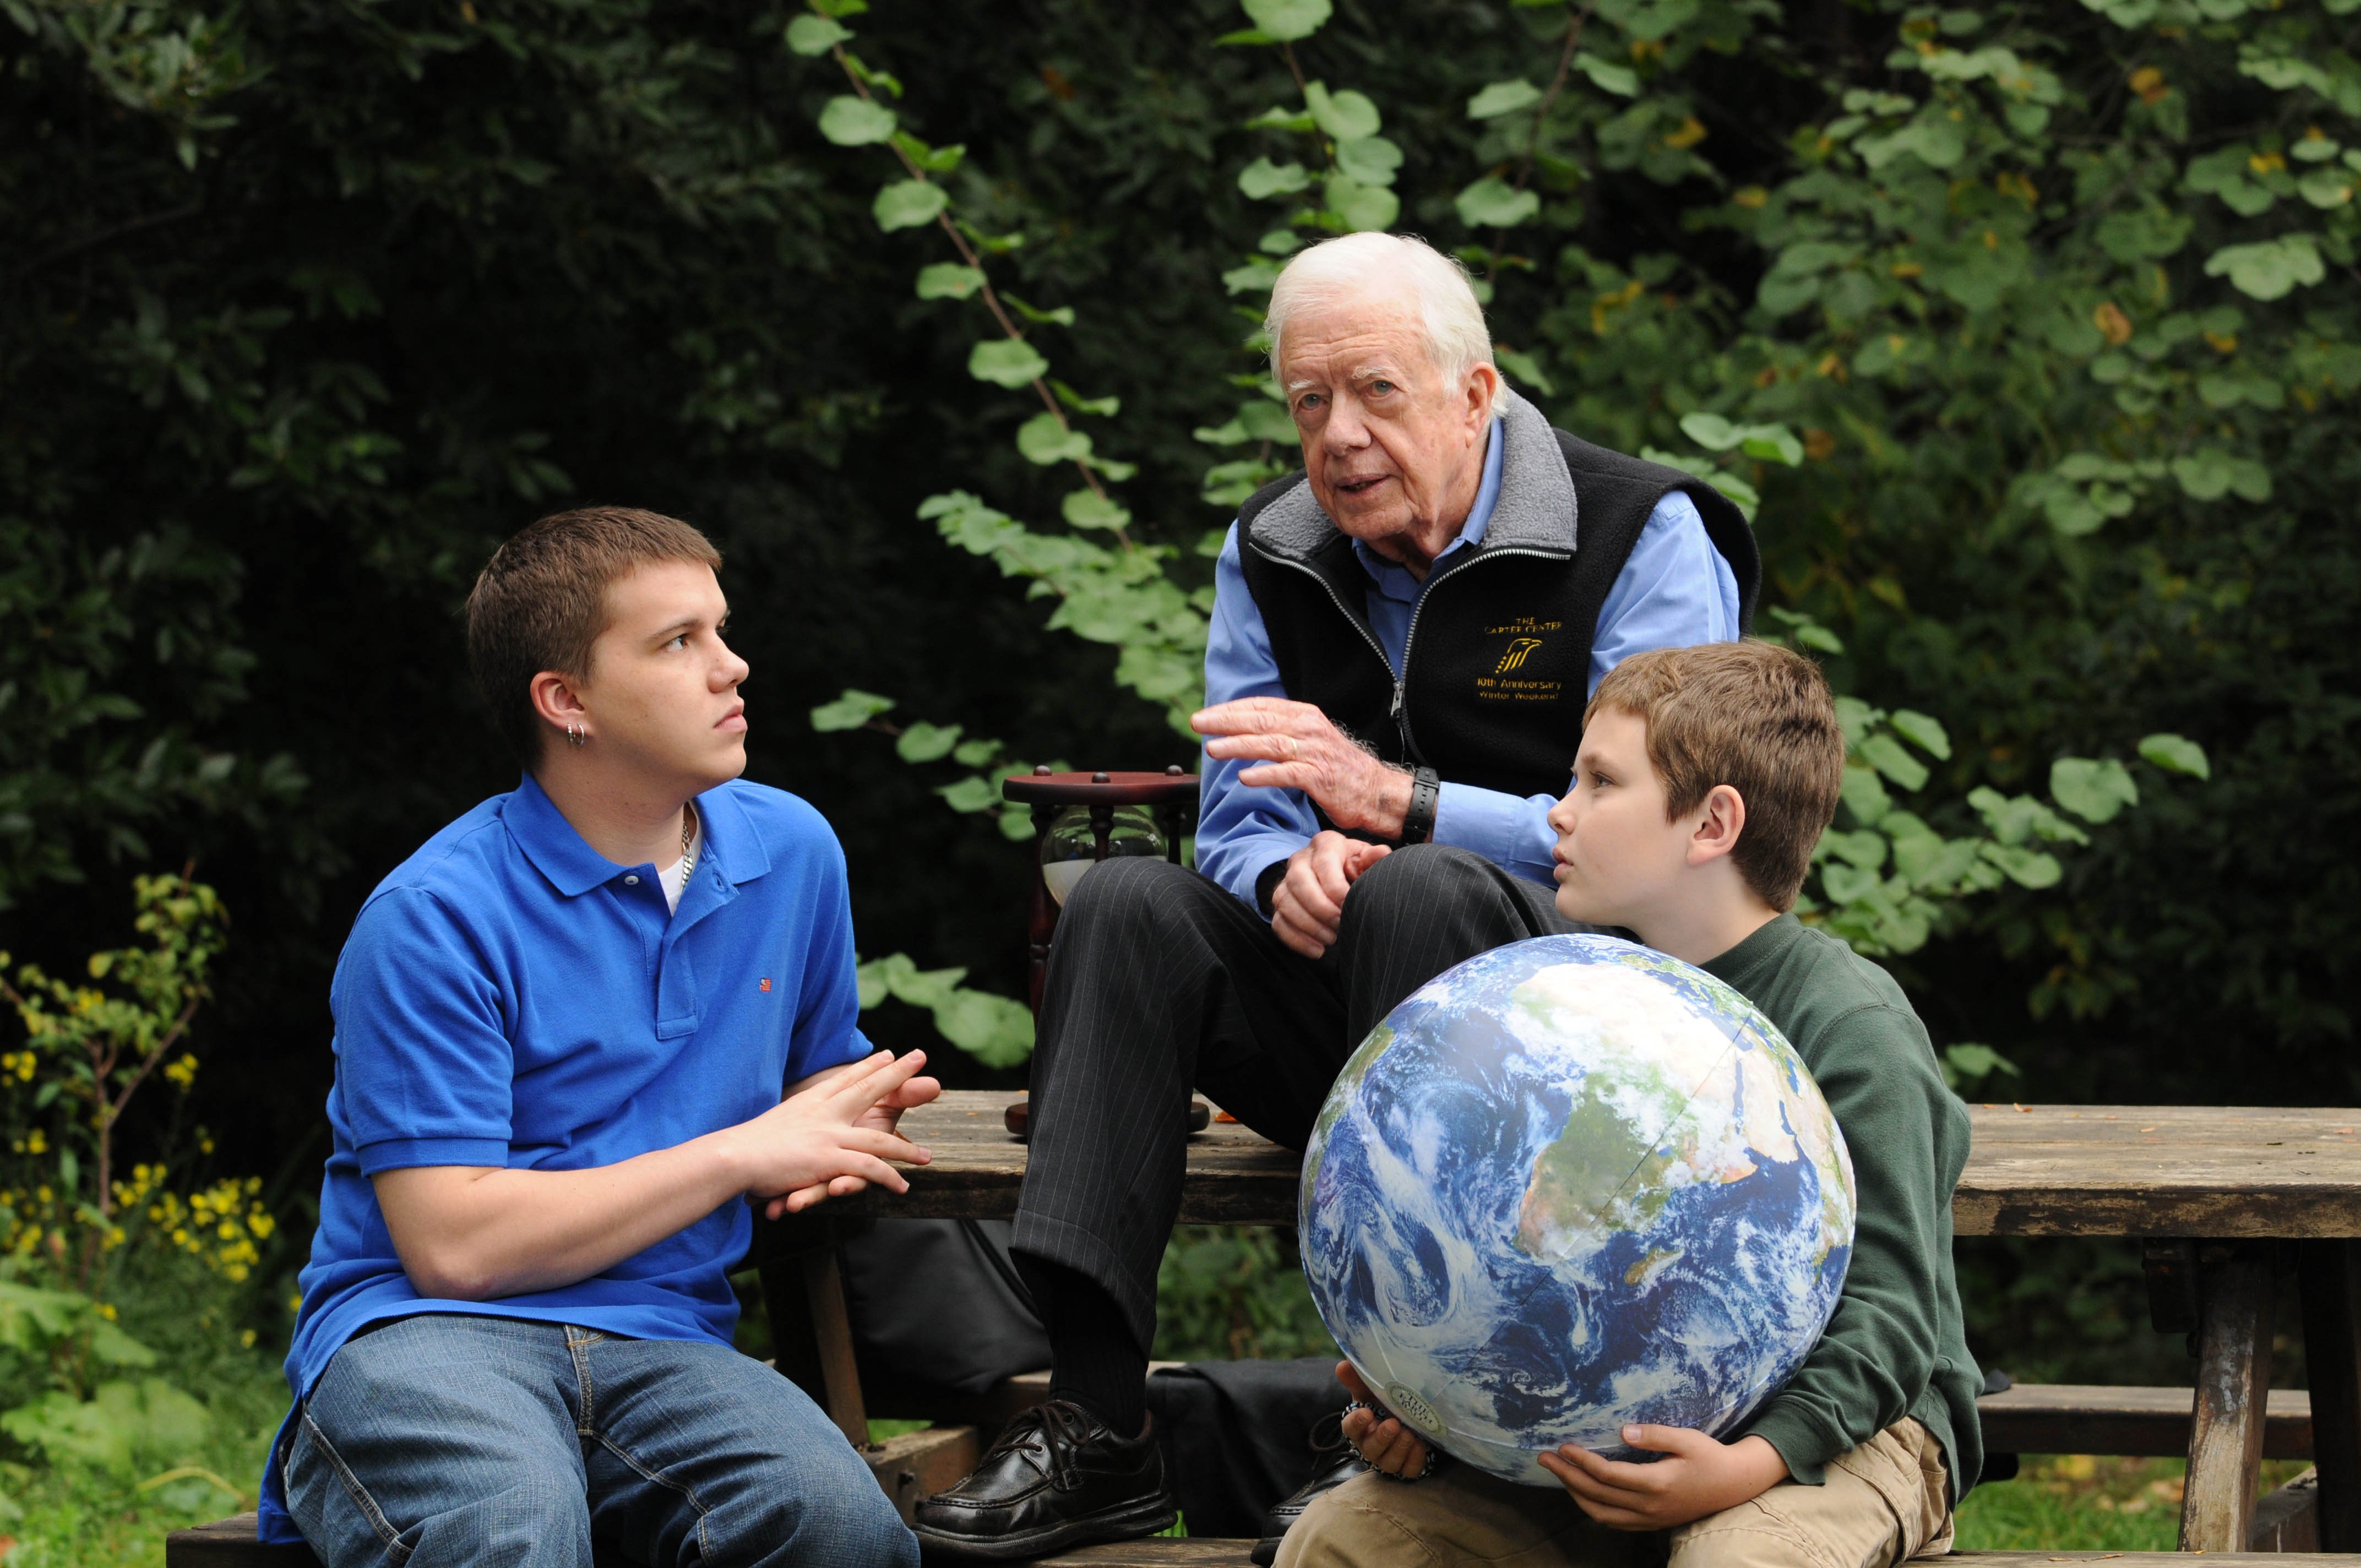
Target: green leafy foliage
{"points": [[994, 1030]]}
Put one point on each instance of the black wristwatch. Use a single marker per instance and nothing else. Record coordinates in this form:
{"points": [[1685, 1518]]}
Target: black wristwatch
{"points": [[1425, 793]]}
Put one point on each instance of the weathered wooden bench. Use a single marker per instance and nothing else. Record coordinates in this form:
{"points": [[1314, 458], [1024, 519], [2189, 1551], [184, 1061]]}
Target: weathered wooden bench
{"points": [[2228, 1201]]}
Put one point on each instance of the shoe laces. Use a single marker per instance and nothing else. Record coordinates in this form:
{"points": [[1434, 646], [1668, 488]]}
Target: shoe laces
{"points": [[1064, 1427]]}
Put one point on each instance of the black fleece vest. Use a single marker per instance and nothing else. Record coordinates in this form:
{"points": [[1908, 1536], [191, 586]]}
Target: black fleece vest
{"points": [[1496, 674]]}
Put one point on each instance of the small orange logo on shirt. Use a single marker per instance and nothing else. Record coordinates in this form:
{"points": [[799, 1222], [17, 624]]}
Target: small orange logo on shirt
{"points": [[766, 982]]}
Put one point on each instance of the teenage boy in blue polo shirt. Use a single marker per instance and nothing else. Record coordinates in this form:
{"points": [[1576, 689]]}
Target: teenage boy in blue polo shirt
{"points": [[562, 1028]]}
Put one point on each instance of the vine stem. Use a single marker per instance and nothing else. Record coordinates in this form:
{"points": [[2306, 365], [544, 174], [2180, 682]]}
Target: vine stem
{"points": [[1541, 117], [991, 296], [1287, 52]]}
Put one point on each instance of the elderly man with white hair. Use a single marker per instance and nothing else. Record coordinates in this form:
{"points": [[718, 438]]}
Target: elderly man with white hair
{"points": [[1404, 637]]}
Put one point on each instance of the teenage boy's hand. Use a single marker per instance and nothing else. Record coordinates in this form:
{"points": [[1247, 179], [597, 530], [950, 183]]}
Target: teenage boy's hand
{"points": [[1380, 1439], [1698, 1475], [1309, 902], [832, 1137]]}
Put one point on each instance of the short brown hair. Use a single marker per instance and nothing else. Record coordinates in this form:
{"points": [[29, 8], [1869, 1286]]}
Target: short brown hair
{"points": [[540, 602], [1751, 715]]}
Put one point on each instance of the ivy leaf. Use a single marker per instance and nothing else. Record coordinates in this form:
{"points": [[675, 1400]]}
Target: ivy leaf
{"points": [[1863, 794], [1088, 508], [925, 743], [1492, 204], [2210, 473], [1263, 179], [971, 793], [1865, 849], [949, 281], [1005, 362], [1255, 277], [849, 121], [1295, 122], [2176, 754], [1525, 368], [1771, 443], [1608, 76], [1284, 21], [1710, 431], [1106, 408], [1846, 883], [1362, 208], [850, 710], [907, 204], [2026, 868], [2093, 789], [1345, 116], [933, 160], [1937, 143], [809, 35], [1922, 731], [994, 1030], [1884, 753], [2270, 269], [975, 753], [1368, 160], [1044, 439], [1967, 1061], [1502, 98]]}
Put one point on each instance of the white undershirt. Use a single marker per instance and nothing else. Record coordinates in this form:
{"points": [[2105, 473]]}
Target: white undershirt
{"points": [[674, 877]]}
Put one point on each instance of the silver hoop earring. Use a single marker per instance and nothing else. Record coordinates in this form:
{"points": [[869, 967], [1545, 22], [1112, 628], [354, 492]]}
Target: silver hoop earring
{"points": [[573, 736]]}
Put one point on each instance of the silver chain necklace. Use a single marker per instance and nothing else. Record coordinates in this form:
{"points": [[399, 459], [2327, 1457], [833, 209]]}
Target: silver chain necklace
{"points": [[688, 842]]}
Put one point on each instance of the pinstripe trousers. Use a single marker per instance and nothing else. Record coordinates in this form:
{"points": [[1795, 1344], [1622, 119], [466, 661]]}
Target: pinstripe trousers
{"points": [[1161, 981]]}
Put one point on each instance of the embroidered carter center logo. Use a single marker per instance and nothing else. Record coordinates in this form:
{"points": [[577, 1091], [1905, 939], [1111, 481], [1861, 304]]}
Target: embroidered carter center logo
{"points": [[1518, 651], [1524, 673]]}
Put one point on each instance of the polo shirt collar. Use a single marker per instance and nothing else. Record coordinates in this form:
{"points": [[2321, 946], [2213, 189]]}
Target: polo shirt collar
{"points": [[732, 847]]}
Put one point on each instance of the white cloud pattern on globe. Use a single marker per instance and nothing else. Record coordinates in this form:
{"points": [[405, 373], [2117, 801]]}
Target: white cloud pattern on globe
{"points": [[1571, 1184]]}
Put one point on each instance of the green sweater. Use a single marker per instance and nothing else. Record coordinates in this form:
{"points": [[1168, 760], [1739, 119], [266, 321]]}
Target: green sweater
{"points": [[1895, 1345]]}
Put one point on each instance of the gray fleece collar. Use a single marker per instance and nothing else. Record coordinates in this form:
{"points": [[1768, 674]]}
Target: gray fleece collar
{"points": [[1535, 509]]}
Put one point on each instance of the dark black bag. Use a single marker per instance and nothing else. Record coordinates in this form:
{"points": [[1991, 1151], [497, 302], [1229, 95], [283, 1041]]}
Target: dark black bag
{"points": [[1236, 1435], [939, 1313]]}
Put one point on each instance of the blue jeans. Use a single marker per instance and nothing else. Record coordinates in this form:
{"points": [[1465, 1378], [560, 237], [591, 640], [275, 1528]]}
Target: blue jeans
{"points": [[499, 1443]]}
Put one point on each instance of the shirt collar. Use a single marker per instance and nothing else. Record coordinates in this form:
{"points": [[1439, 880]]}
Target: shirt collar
{"points": [[732, 847], [1392, 573]]}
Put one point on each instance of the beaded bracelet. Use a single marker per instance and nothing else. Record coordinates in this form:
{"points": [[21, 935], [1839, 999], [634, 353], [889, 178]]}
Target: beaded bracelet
{"points": [[1435, 1458]]}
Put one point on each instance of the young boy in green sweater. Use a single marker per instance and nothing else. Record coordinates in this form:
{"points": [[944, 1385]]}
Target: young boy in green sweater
{"points": [[1704, 779]]}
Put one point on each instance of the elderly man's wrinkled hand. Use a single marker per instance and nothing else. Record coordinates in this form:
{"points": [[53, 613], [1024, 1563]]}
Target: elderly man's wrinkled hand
{"points": [[1309, 902], [1300, 750]]}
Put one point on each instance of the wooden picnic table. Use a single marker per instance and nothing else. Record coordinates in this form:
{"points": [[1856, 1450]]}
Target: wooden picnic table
{"points": [[2225, 1199]]}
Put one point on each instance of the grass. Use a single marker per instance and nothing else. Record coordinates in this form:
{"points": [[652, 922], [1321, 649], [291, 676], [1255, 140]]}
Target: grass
{"points": [[2080, 1502]]}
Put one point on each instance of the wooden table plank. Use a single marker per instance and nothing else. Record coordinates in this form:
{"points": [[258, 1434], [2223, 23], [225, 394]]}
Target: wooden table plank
{"points": [[2053, 1170]]}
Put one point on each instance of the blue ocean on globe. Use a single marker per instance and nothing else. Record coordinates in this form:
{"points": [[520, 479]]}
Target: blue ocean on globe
{"points": [[1570, 1184]]}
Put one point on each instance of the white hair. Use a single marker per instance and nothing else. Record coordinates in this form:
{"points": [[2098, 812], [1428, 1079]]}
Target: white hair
{"points": [[1373, 266]]}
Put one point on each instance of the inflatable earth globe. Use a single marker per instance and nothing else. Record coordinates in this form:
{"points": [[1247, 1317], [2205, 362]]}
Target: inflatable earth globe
{"points": [[1571, 1184]]}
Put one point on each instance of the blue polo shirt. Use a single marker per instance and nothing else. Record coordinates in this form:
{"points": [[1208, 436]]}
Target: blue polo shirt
{"points": [[510, 997]]}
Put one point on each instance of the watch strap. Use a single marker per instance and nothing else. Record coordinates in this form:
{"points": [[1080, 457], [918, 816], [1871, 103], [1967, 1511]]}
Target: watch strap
{"points": [[1425, 794]]}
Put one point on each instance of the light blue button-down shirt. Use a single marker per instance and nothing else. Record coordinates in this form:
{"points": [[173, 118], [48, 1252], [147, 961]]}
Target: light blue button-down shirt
{"points": [[1675, 590]]}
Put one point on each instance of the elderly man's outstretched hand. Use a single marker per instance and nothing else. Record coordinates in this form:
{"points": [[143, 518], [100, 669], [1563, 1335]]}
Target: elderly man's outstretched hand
{"points": [[1309, 901], [1300, 750]]}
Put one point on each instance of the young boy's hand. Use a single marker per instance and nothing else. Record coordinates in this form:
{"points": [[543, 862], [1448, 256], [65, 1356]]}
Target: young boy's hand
{"points": [[1383, 1443], [1698, 1475]]}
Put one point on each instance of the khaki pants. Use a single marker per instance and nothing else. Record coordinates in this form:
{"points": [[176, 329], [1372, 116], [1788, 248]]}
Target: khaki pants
{"points": [[1883, 1503]]}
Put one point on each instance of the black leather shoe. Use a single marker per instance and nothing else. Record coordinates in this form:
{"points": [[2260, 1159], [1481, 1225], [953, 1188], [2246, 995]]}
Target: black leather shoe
{"points": [[1058, 1477], [1336, 1465]]}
